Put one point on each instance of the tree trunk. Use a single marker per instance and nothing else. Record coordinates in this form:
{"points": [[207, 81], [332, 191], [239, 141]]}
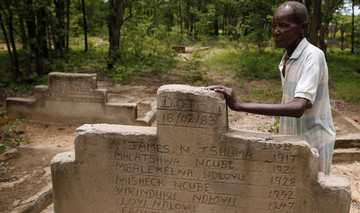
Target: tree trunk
{"points": [[41, 41], [335, 30], [25, 43], [48, 29], [315, 22], [59, 28], [15, 68], [187, 18], [322, 44], [85, 26], [6, 40], [67, 32], [216, 26], [116, 20], [23, 32], [31, 28], [180, 18], [330, 7], [342, 36], [50, 32], [224, 19], [352, 28], [308, 4]]}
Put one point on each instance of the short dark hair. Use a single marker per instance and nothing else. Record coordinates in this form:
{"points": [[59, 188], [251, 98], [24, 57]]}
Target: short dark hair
{"points": [[300, 11]]}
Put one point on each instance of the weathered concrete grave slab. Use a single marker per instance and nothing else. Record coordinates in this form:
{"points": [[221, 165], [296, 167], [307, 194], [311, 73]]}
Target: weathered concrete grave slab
{"points": [[75, 98], [191, 162]]}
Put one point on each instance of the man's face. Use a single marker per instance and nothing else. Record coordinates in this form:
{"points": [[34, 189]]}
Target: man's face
{"points": [[287, 34]]}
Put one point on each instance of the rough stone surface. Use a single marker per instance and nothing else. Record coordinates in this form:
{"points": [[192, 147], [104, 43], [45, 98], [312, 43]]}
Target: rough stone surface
{"points": [[35, 203], [334, 194], [191, 162], [75, 98]]}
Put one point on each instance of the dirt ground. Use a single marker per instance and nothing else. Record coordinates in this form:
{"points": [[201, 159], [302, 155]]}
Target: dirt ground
{"points": [[24, 170]]}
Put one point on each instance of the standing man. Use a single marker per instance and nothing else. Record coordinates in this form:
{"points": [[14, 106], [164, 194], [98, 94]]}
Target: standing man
{"points": [[305, 109]]}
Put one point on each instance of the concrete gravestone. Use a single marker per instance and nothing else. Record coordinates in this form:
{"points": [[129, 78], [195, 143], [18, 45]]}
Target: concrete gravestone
{"points": [[75, 98], [191, 162]]}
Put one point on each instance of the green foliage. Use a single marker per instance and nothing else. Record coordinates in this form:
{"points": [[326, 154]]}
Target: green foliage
{"points": [[205, 19], [13, 126], [193, 70], [276, 125], [344, 22], [17, 140], [3, 148], [121, 73], [344, 76], [10, 86], [78, 61], [2, 110], [17, 87], [145, 50], [10, 129], [246, 63], [259, 66], [270, 127], [258, 23]]}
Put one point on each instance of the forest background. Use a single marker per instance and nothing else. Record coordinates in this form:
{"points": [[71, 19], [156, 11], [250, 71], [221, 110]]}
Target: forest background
{"points": [[130, 41]]}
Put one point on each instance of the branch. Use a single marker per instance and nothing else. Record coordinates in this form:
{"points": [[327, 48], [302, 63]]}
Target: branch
{"points": [[128, 16]]}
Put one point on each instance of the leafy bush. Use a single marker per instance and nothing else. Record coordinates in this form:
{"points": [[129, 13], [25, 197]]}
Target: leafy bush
{"points": [[193, 70], [10, 130], [142, 54]]}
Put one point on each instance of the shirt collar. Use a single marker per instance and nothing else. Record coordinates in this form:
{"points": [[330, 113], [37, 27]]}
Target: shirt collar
{"points": [[300, 47]]}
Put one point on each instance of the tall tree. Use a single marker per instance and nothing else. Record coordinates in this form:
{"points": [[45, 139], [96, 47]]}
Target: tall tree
{"points": [[353, 4], [67, 30], [21, 13], [85, 26], [50, 29], [259, 21], [41, 40], [315, 22], [31, 29], [15, 58], [7, 42], [116, 20], [59, 42], [329, 7], [180, 18]]}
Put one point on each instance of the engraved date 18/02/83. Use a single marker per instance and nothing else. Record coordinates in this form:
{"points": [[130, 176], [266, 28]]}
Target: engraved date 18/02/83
{"points": [[188, 119]]}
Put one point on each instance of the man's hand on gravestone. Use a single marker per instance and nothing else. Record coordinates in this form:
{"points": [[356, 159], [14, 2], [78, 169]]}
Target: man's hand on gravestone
{"points": [[229, 95]]}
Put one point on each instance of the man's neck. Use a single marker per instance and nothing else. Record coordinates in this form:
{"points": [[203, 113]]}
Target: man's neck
{"points": [[291, 49]]}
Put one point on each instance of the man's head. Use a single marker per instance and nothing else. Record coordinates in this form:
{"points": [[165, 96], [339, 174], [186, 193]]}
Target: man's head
{"points": [[299, 10], [289, 25]]}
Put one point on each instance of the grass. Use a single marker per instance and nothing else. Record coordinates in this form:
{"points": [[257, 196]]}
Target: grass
{"points": [[246, 63], [344, 75]]}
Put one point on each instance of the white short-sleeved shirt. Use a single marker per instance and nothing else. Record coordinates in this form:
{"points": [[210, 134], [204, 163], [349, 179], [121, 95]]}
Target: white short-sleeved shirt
{"points": [[306, 76]]}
